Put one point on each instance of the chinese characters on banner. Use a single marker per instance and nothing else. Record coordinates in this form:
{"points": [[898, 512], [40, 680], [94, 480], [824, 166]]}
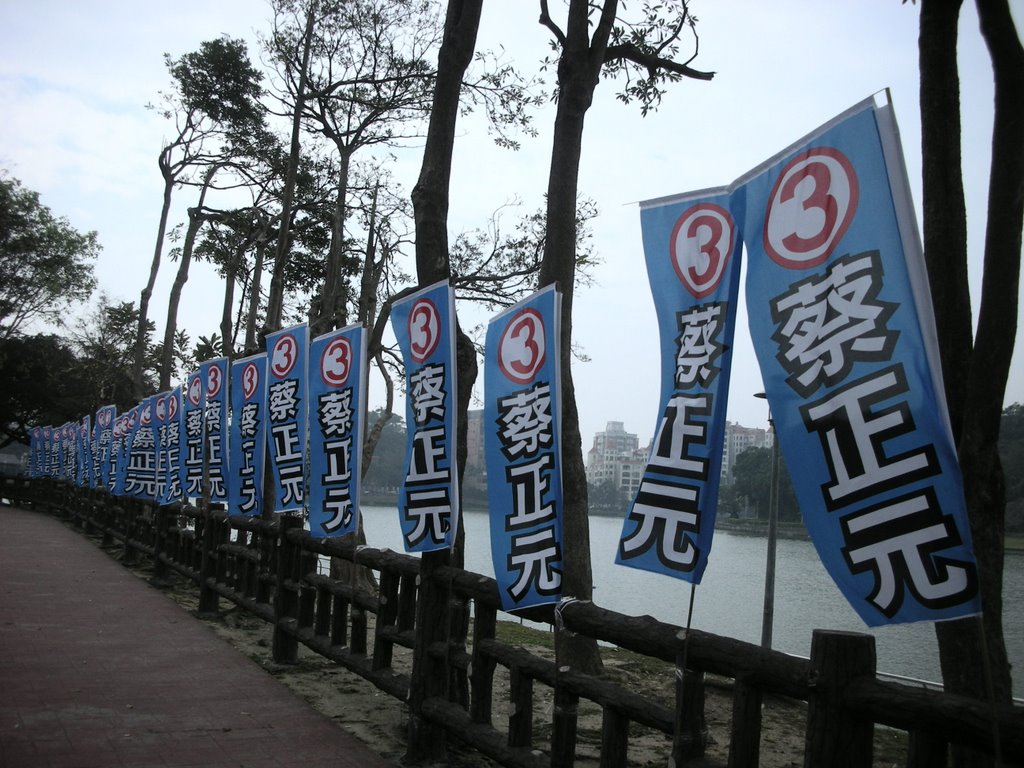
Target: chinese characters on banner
{"points": [[103, 426], [248, 434], [692, 250], [337, 394], [522, 439], [141, 474], [168, 434], [841, 321], [286, 412], [428, 502], [842, 335], [194, 440], [215, 374]]}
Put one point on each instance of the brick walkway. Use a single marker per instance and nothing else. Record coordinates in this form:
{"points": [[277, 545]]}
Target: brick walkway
{"points": [[98, 669]]}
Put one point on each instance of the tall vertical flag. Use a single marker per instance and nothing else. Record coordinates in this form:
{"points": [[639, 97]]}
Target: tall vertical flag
{"points": [[84, 446], [842, 327], [428, 502], [522, 439], [337, 396], [215, 414], [248, 439], [286, 411], [103, 426], [692, 249], [140, 478], [193, 438], [168, 428]]}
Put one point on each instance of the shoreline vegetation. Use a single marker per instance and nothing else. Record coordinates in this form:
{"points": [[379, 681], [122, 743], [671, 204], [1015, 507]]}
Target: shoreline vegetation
{"points": [[1014, 541]]}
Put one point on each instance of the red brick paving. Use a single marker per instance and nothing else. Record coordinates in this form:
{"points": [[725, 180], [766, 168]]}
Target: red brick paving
{"points": [[99, 670]]}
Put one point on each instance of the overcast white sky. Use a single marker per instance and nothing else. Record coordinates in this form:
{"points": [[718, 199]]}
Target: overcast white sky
{"points": [[75, 76]]}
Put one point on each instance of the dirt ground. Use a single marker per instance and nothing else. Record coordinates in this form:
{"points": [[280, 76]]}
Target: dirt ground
{"points": [[380, 720]]}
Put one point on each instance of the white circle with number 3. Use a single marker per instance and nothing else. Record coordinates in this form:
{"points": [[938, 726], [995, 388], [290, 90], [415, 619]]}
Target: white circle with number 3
{"points": [[810, 208], [283, 356], [701, 245], [336, 362], [522, 348]]}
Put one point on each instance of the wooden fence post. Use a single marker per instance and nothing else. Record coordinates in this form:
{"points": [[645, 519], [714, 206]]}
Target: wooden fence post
{"points": [[209, 600], [836, 737], [429, 677], [691, 730], [286, 597]]}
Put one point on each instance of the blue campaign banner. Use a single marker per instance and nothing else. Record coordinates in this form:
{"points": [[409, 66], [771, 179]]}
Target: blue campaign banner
{"points": [[692, 248], [168, 435], [337, 396], [215, 374], [84, 446], [842, 330], [248, 438], [123, 432], [35, 452], [140, 480], [428, 501], [522, 443], [287, 415], [102, 439], [193, 438]]}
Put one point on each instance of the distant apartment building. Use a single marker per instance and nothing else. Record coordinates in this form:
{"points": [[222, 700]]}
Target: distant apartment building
{"points": [[616, 455], [737, 440]]}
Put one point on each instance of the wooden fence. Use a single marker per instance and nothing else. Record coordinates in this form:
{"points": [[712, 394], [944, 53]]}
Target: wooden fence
{"points": [[410, 634]]}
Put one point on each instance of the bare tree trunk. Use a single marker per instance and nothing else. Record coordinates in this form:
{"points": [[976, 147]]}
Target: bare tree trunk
{"points": [[275, 302], [255, 287], [195, 221], [579, 68], [430, 199], [228, 309], [147, 292], [331, 313], [975, 377]]}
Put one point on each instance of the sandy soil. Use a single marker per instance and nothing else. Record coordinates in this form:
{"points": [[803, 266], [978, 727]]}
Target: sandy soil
{"points": [[380, 720]]}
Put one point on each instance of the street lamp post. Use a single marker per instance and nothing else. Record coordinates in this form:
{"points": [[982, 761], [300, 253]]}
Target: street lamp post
{"points": [[768, 616]]}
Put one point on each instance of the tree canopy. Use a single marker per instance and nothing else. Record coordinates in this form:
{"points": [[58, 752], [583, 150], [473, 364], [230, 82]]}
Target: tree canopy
{"points": [[46, 265]]}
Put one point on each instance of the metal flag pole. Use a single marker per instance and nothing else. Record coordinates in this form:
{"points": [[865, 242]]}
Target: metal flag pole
{"points": [[768, 615]]}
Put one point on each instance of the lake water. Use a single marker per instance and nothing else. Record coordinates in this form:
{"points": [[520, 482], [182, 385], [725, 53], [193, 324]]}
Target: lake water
{"points": [[729, 600]]}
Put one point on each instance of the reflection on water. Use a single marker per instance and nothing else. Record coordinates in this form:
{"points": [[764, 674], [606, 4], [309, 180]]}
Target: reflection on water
{"points": [[729, 600]]}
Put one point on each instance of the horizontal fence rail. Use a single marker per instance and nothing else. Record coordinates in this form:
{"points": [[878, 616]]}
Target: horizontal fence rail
{"points": [[425, 633]]}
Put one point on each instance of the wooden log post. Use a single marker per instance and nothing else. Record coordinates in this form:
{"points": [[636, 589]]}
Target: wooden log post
{"points": [[481, 671], [286, 598], [213, 536], [387, 616], [520, 717], [161, 571], [690, 736], [429, 677], [614, 738], [835, 736], [745, 739]]}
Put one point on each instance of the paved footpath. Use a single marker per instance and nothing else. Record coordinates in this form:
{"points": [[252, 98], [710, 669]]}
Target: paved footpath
{"points": [[99, 670]]}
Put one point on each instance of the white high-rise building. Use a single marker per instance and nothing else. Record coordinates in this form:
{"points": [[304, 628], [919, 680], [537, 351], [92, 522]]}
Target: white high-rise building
{"points": [[616, 456]]}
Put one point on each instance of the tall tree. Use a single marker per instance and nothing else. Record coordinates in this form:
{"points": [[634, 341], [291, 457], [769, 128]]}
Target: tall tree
{"points": [[368, 85], [592, 42], [975, 369], [430, 199], [215, 98], [45, 263]]}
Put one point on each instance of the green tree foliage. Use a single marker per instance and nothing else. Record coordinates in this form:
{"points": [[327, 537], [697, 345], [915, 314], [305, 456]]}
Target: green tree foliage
{"points": [[45, 263], [1011, 454], [51, 379], [386, 471], [753, 479]]}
